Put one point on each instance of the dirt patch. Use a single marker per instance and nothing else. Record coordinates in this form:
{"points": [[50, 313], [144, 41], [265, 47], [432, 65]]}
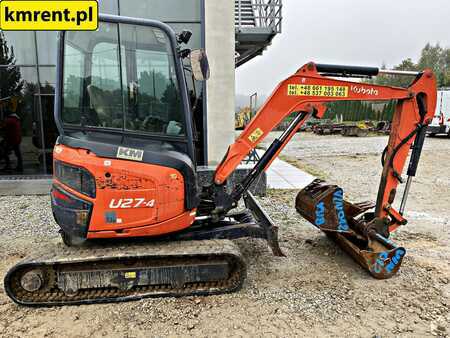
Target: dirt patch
{"points": [[307, 168]]}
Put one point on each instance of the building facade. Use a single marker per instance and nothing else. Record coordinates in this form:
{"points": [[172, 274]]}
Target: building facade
{"points": [[28, 76]]}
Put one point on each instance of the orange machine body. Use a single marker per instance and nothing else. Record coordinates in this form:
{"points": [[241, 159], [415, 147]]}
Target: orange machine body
{"points": [[132, 199]]}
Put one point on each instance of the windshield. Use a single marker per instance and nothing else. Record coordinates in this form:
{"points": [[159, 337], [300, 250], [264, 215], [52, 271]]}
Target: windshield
{"points": [[122, 77]]}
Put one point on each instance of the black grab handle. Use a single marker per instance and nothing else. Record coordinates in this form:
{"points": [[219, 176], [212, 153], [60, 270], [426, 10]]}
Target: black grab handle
{"points": [[341, 70]]}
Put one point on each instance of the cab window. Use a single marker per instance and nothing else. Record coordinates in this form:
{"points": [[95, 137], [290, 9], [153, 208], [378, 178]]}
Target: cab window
{"points": [[128, 84]]}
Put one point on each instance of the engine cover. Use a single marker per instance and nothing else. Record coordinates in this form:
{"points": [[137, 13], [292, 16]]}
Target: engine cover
{"points": [[129, 195]]}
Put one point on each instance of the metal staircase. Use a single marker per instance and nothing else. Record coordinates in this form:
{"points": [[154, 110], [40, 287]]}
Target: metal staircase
{"points": [[257, 23]]}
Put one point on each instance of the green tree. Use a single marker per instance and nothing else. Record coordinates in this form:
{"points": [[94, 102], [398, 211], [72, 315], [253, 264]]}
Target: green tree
{"points": [[393, 80], [446, 68], [432, 56], [11, 83]]}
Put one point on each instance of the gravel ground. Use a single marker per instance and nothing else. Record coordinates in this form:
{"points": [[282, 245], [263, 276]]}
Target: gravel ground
{"points": [[315, 291]]}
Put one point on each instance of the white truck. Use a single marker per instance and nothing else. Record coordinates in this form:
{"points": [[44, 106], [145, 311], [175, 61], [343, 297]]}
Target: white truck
{"points": [[441, 120]]}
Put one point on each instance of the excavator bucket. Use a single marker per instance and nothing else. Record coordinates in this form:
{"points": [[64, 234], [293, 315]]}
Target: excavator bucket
{"points": [[324, 206]]}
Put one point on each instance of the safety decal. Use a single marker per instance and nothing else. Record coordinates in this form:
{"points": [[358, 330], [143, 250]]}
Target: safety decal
{"points": [[317, 90], [256, 135], [130, 275]]}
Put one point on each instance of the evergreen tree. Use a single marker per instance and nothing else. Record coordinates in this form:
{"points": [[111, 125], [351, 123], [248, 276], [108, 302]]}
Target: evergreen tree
{"points": [[11, 83]]}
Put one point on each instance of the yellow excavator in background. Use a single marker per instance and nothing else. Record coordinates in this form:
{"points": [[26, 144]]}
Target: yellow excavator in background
{"points": [[244, 116]]}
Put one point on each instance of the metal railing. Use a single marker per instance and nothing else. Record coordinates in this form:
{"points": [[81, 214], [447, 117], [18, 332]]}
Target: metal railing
{"points": [[259, 13]]}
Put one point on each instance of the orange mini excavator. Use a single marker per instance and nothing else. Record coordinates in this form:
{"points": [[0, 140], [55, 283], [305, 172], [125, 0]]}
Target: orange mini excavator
{"points": [[124, 167]]}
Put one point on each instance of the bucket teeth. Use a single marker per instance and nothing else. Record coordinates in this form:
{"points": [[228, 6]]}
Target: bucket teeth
{"points": [[324, 206]]}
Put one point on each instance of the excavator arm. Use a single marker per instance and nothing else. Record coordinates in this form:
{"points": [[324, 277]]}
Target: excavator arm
{"points": [[314, 85], [363, 234]]}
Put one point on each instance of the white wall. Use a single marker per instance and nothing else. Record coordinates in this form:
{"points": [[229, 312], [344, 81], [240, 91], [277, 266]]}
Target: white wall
{"points": [[220, 46]]}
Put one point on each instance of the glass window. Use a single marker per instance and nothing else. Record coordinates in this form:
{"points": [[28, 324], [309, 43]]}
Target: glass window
{"points": [[21, 150], [92, 88], [154, 97], [73, 80], [105, 89], [47, 77], [46, 47], [109, 6], [163, 10], [47, 102], [21, 45], [145, 95]]}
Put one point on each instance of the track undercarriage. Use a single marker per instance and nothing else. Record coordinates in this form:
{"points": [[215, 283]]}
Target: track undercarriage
{"points": [[199, 261], [102, 274]]}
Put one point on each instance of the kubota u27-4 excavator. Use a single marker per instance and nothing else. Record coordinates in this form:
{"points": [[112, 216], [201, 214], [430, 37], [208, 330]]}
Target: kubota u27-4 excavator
{"points": [[124, 166]]}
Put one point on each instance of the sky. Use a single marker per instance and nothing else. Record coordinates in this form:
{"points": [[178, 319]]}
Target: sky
{"points": [[353, 32]]}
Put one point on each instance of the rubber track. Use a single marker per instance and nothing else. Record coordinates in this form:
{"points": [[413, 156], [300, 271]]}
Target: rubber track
{"points": [[65, 257]]}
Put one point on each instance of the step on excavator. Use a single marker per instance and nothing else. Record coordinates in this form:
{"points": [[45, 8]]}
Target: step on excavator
{"points": [[124, 167]]}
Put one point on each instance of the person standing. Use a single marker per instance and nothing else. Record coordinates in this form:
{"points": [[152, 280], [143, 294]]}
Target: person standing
{"points": [[12, 141]]}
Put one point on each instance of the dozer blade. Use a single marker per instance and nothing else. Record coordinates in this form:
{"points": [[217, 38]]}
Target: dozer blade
{"points": [[324, 206], [132, 272]]}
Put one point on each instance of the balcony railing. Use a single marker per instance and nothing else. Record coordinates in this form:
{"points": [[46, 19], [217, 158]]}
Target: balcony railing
{"points": [[259, 14]]}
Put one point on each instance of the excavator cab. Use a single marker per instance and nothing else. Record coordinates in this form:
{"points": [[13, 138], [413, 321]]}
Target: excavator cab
{"points": [[126, 135]]}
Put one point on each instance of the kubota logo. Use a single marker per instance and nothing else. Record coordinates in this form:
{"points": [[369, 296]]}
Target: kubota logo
{"points": [[364, 91]]}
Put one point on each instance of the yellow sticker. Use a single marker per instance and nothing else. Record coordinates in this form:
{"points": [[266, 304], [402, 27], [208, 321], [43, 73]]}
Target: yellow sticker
{"points": [[48, 15], [256, 135], [317, 90], [130, 275]]}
